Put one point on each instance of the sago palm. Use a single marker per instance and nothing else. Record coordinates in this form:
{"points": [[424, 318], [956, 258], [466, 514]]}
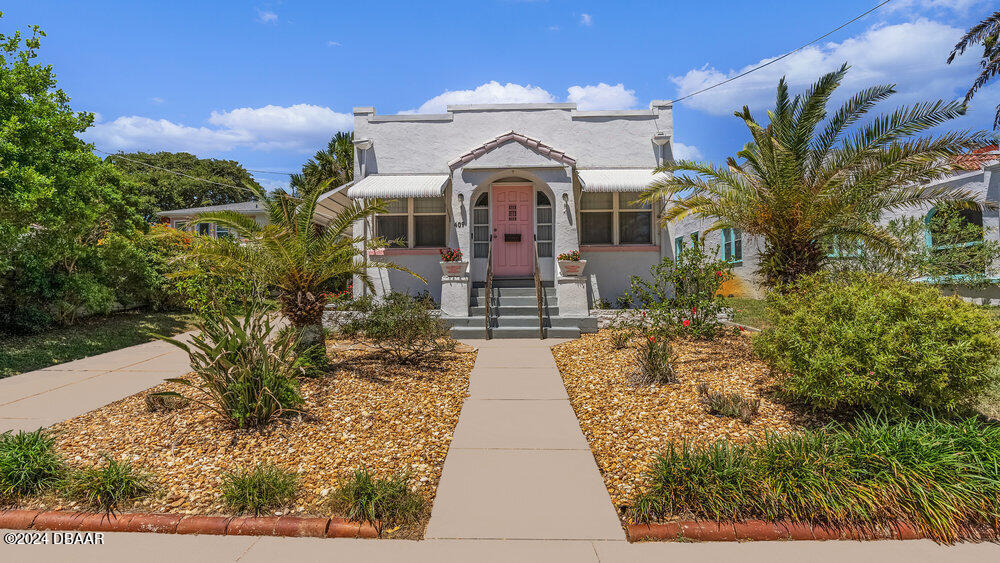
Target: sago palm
{"points": [[985, 33], [808, 177], [293, 254]]}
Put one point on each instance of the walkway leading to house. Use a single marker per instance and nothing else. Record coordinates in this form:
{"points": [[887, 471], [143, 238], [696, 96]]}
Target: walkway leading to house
{"points": [[40, 398], [519, 466]]}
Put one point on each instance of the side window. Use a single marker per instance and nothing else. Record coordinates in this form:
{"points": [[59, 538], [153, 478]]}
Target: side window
{"points": [[544, 234], [481, 226]]}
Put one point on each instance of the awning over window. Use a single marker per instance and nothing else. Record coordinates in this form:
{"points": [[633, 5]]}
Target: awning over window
{"points": [[399, 185], [617, 179]]}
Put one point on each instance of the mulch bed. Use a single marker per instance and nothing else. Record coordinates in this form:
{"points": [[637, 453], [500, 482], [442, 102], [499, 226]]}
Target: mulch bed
{"points": [[369, 412], [628, 424]]}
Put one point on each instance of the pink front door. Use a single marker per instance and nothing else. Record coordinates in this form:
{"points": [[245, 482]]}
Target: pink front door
{"points": [[513, 227]]}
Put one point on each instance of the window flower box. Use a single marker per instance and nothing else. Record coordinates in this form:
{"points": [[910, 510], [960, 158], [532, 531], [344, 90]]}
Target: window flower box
{"points": [[570, 264], [452, 264]]}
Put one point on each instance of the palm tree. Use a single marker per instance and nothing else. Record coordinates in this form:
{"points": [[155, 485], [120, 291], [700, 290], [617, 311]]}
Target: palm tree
{"points": [[804, 179], [333, 166], [293, 254], [984, 33]]}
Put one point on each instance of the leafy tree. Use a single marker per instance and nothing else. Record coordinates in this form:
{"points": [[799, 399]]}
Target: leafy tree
{"points": [[804, 179], [333, 166], [228, 181], [58, 201], [984, 33], [294, 255]]}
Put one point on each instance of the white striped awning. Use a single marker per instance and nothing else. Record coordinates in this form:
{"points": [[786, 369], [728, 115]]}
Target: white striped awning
{"points": [[399, 185], [617, 179]]}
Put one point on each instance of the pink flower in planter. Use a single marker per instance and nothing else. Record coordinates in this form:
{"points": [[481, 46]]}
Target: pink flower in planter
{"points": [[686, 322]]}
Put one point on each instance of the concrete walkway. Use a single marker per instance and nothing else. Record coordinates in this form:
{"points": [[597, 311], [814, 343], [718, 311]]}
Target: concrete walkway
{"points": [[519, 466], [40, 398]]}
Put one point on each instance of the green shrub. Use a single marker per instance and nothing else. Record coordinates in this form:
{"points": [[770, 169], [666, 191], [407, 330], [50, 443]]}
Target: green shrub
{"points": [[28, 463], [620, 339], [258, 489], [404, 327], [655, 361], [239, 371], [876, 342], [941, 477], [732, 405], [378, 501], [109, 486], [682, 295]]}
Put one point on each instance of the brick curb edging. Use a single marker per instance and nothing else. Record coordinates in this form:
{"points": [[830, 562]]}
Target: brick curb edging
{"points": [[289, 526], [759, 530]]}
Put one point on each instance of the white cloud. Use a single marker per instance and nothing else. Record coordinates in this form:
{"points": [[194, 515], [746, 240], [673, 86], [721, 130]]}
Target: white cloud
{"points": [[266, 16], [686, 152], [299, 127], [586, 20], [911, 55], [602, 96], [157, 100], [490, 93], [553, 28], [333, 44]]}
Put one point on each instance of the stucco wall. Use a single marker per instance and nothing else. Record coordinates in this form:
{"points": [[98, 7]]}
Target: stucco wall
{"points": [[611, 273]]}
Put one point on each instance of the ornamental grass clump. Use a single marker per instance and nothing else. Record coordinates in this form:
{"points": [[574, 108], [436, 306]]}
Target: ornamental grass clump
{"points": [[108, 486], [258, 489], [240, 372], [732, 405], [655, 361], [877, 343], [28, 463], [381, 502], [941, 477]]}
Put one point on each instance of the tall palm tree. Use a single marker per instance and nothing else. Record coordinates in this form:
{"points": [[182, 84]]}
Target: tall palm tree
{"points": [[984, 33], [293, 254], [333, 166], [804, 179]]}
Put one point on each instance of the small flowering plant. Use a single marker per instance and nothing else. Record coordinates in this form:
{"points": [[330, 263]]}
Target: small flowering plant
{"points": [[570, 256], [451, 255]]}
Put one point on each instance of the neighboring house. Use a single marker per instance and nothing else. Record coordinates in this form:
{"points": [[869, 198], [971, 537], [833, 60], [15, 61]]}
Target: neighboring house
{"points": [[329, 204], [503, 176], [982, 178]]}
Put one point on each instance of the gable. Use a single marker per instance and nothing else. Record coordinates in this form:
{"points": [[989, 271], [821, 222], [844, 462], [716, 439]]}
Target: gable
{"points": [[512, 150]]}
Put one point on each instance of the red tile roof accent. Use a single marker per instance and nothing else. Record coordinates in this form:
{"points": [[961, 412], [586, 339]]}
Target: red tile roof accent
{"points": [[533, 144]]}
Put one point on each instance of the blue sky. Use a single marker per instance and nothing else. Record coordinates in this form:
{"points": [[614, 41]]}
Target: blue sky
{"points": [[266, 83]]}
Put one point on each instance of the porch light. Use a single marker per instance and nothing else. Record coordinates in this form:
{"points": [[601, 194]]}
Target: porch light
{"points": [[565, 197], [660, 138]]}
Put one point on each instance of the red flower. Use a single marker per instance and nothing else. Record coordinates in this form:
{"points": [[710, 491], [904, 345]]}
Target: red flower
{"points": [[694, 309], [742, 329], [718, 273], [687, 322], [652, 339]]}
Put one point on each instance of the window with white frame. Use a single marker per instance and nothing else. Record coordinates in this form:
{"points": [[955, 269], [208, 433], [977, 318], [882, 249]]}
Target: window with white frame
{"points": [[732, 246], [204, 229], [615, 218], [222, 232], [481, 226], [413, 222], [543, 221]]}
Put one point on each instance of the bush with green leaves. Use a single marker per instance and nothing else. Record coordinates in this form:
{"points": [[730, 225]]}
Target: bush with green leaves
{"points": [[939, 476], [404, 327], [258, 489], [28, 463], [875, 342], [382, 502], [240, 371], [682, 295], [109, 486]]}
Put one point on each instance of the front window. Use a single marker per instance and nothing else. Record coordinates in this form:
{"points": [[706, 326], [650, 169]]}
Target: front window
{"points": [[413, 223], [615, 218], [732, 246]]}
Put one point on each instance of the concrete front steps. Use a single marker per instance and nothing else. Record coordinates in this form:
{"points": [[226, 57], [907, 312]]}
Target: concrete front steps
{"points": [[514, 313]]}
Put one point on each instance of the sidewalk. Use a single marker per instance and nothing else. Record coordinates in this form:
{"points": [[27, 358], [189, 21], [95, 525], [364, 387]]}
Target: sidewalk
{"points": [[46, 396], [519, 466]]}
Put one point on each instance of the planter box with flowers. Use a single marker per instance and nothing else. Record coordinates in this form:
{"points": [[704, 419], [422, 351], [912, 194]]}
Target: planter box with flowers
{"points": [[452, 264], [570, 263]]}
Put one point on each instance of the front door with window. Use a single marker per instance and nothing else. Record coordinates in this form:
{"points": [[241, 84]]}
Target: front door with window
{"points": [[513, 226]]}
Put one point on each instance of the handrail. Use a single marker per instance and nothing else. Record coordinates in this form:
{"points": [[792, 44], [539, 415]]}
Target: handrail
{"points": [[538, 290], [489, 286]]}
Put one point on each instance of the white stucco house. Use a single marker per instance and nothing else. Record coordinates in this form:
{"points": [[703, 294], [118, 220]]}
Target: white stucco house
{"points": [[494, 180]]}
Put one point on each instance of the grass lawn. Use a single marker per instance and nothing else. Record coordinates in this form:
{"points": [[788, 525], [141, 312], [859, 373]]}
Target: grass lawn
{"points": [[19, 354], [751, 312]]}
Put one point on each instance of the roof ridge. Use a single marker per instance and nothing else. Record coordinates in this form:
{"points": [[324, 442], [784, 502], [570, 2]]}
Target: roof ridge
{"points": [[504, 138]]}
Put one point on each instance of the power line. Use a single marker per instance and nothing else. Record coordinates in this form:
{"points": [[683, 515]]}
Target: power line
{"points": [[771, 62], [271, 172]]}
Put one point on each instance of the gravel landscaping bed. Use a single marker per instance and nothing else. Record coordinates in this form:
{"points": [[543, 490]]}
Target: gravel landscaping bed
{"points": [[627, 425], [370, 413]]}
